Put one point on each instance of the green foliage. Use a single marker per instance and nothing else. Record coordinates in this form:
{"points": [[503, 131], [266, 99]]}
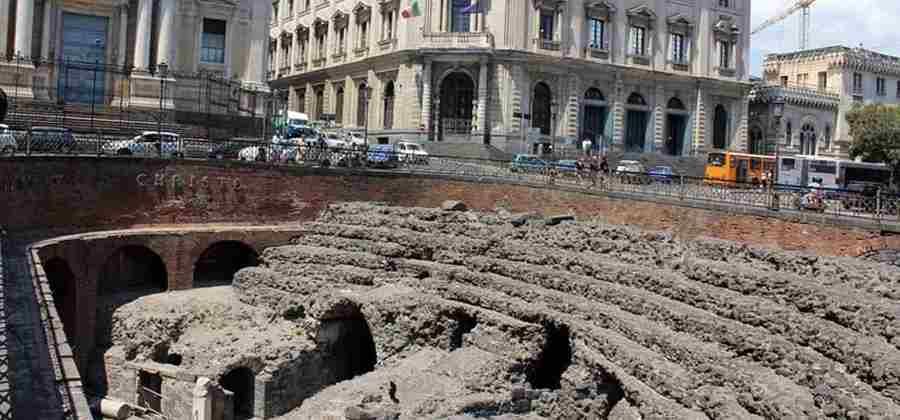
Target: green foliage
{"points": [[875, 130]]}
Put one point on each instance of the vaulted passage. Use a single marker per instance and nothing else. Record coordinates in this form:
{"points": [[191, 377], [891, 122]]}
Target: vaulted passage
{"points": [[555, 358], [240, 381], [219, 263], [133, 268], [348, 348], [463, 324], [62, 287]]}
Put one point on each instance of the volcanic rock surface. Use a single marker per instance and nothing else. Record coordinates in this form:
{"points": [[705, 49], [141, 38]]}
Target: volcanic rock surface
{"points": [[473, 315]]}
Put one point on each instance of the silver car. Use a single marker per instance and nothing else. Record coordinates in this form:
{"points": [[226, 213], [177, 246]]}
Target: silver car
{"points": [[8, 144]]}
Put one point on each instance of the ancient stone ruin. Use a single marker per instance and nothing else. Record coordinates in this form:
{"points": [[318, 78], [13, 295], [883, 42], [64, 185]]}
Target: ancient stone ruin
{"points": [[377, 312]]}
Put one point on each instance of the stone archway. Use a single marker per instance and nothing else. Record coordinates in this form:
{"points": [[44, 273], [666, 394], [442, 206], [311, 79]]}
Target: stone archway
{"points": [[241, 382], [457, 94], [347, 342], [594, 118], [218, 264], [540, 108], [720, 128], [62, 287], [133, 269], [637, 117], [676, 127]]}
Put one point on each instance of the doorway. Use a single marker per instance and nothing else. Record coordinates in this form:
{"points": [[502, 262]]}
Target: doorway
{"points": [[457, 94], [83, 79], [636, 120]]}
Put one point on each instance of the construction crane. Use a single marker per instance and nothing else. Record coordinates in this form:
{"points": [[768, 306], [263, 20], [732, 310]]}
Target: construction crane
{"points": [[803, 7]]}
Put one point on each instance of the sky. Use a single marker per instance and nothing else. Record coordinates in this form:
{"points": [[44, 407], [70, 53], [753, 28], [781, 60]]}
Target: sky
{"points": [[873, 23]]}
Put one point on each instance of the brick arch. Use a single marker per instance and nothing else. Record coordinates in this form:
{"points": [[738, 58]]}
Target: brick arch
{"points": [[130, 251], [216, 264]]}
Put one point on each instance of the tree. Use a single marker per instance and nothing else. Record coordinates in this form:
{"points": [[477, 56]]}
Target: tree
{"points": [[875, 130]]}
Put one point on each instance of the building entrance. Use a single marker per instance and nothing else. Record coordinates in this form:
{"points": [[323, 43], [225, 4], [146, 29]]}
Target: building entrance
{"points": [[82, 79]]}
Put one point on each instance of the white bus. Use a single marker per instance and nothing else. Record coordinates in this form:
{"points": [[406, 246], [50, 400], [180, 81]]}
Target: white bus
{"points": [[802, 171]]}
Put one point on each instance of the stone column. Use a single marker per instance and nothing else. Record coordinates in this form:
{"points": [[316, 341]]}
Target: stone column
{"points": [[5, 21], [660, 136], [482, 96], [123, 34], [426, 96], [699, 123], [45, 30], [168, 35], [142, 35], [24, 27], [295, 45], [617, 142], [278, 45]]}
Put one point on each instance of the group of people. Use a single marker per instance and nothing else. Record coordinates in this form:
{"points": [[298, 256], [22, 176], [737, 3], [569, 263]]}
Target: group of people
{"points": [[592, 168]]}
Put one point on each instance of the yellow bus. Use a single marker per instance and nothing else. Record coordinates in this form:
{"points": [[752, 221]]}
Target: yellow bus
{"points": [[738, 168]]}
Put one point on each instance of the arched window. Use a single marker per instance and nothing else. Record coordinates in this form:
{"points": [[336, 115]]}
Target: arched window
{"points": [[676, 103], [389, 105], [594, 94], [457, 94], [756, 146], [789, 134], [540, 112], [362, 101], [636, 99], [720, 128], [339, 106], [459, 16], [808, 139]]}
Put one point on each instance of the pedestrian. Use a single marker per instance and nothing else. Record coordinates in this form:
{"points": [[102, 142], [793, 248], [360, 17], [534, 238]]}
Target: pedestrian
{"points": [[595, 171], [604, 166], [586, 146]]}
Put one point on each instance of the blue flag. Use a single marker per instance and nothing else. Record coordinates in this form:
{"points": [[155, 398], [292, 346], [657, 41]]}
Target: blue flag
{"points": [[475, 8]]}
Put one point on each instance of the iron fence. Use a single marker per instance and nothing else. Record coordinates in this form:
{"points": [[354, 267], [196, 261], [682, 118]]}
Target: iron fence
{"points": [[877, 205], [90, 98]]}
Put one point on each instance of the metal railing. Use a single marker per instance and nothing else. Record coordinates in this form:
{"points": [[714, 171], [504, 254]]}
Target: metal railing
{"points": [[872, 204]]}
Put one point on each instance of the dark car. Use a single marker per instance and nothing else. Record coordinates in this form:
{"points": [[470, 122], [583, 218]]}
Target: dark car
{"points": [[229, 149], [51, 139], [662, 174], [567, 167], [528, 164], [383, 156]]}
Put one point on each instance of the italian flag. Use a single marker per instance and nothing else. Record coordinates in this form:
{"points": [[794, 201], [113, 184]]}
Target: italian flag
{"points": [[413, 11]]}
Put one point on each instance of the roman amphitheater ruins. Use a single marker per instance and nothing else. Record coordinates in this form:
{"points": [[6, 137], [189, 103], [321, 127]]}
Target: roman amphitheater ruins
{"points": [[181, 289]]}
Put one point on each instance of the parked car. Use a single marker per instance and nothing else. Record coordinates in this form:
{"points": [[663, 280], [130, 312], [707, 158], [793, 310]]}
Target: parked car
{"points": [[8, 143], [566, 167], [412, 153], [147, 144], [51, 139], [631, 172], [230, 149], [661, 174], [383, 156], [356, 139], [528, 164]]}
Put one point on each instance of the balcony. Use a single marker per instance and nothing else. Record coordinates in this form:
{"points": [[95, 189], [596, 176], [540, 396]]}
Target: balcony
{"points": [[795, 94], [300, 67], [387, 44], [361, 51], [458, 40], [339, 56], [547, 44], [639, 59], [726, 72], [600, 51], [319, 62], [681, 64]]}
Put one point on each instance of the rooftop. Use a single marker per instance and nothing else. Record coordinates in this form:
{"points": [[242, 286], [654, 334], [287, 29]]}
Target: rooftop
{"points": [[835, 49]]}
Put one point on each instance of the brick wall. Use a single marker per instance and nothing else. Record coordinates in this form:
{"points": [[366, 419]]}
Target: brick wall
{"points": [[89, 194]]}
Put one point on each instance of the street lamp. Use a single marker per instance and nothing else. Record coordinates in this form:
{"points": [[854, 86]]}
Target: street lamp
{"points": [[163, 71], [777, 113], [364, 90], [554, 106]]}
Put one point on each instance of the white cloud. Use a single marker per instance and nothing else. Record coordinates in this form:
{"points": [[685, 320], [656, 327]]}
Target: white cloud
{"points": [[873, 23]]}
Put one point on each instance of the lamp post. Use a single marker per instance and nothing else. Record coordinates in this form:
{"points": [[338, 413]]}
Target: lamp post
{"points": [[364, 90], [554, 106], [163, 71], [777, 113]]}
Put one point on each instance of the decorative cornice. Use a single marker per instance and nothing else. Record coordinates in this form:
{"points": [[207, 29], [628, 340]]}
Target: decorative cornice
{"points": [[548, 4], [389, 5], [726, 27], [320, 25], [857, 59], [794, 95], [340, 19], [642, 12], [362, 11], [680, 20], [603, 7]]}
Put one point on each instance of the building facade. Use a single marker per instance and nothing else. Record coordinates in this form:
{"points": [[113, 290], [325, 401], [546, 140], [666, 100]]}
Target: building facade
{"points": [[109, 51], [818, 88], [634, 75]]}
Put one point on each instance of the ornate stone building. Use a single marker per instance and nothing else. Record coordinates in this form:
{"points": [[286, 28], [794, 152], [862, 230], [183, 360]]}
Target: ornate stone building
{"points": [[107, 51], [818, 87], [667, 76]]}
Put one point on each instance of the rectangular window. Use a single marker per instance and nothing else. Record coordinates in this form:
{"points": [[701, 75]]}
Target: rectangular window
{"points": [[784, 81], [301, 53], [459, 18], [880, 87], [898, 88], [275, 12], [301, 100], [823, 80], [857, 83], [679, 49], [725, 54], [724, 3], [363, 34], [597, 33], [547, 26], [340, 41], [637, 41], [388, 25], [290, 8], [212, 41], [320, 40]]}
